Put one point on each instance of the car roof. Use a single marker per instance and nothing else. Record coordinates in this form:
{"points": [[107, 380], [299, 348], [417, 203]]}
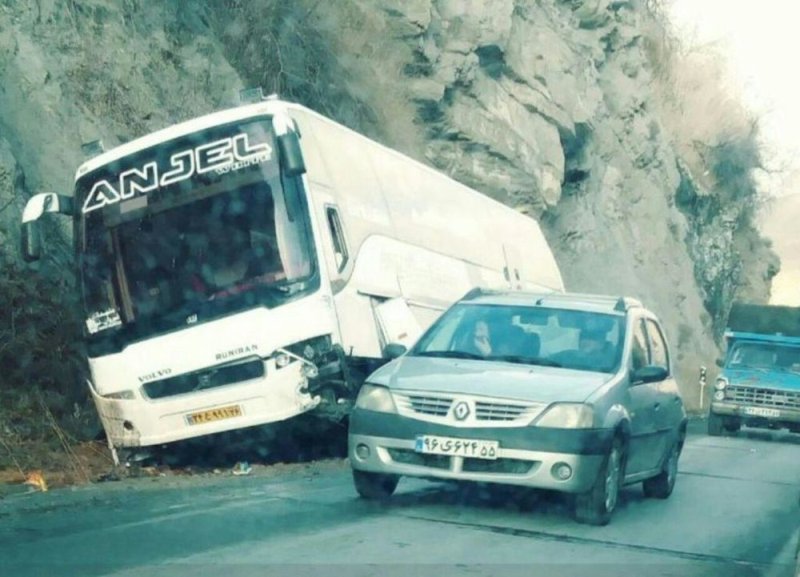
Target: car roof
{"points": [[576, 301]]}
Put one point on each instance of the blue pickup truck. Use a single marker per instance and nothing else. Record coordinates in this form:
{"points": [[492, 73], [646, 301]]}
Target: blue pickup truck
{"points": [[759, 384]]}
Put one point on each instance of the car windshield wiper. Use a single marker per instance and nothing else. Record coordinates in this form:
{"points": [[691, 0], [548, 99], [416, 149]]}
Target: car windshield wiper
{"points": [[449, 354], [527, 360]]}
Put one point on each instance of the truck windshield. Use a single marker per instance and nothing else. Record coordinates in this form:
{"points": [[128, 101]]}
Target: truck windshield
{"points": [[764, 356], [157, 251]]}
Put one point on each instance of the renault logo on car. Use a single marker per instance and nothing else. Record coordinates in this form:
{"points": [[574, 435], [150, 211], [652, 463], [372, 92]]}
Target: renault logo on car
{"points": [[461, 411]]}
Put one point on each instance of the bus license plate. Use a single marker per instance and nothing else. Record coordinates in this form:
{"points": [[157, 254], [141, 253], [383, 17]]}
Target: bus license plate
{"points": [[472, 448], [761, 412], [214, 415]]}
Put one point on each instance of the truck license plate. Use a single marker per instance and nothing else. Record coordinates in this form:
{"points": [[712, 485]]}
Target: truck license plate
{"points": [[762, 412], [473, 448]]}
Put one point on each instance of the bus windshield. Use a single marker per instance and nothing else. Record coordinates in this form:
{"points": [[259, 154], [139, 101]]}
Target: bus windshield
{"points": [[232, 237]]}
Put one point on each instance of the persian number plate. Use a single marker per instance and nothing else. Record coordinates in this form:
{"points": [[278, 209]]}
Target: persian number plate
{"points": [[214, 415], [476, 449], [761, 412]]}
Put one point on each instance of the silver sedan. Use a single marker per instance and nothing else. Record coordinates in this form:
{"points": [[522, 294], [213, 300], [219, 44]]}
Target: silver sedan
{"points": [[572, 393]]}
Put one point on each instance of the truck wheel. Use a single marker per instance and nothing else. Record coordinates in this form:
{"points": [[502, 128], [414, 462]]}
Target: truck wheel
{"points": [[715, 428], [596, 506], [661, 486], [732, 425], [374, 486]]}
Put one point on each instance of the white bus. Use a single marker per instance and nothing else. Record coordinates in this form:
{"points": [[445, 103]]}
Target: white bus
{"points": [[250, 265]]}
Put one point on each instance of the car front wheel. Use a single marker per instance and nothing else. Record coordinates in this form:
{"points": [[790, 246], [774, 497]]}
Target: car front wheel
{"points": [[596, 506], [374, 486]]}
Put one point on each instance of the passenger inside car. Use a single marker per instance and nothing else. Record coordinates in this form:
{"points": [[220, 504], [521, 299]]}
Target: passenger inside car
{"points": [[513, 341], [481, 343], [597, 351]]}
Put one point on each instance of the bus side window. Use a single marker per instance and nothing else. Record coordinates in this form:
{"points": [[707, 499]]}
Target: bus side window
{"points": [[337, 234]]}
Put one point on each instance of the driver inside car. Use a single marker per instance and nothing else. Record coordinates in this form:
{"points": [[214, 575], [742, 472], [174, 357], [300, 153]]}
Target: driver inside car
{"points": [[596, 350]]}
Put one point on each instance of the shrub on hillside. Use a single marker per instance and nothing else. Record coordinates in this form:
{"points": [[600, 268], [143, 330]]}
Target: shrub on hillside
{"points": [[42, 384]]}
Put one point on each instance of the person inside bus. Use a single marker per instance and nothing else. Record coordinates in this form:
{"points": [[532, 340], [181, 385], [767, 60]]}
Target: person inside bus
{"points": [[225, 263]]}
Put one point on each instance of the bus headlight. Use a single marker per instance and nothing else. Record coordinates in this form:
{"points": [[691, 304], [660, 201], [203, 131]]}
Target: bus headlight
{"points": [[567, 416], [375, 398], [282, 360], [310, 371]]}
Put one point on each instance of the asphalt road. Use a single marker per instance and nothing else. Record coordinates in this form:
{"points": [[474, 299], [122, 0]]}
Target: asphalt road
{"points": [[734, 512]]}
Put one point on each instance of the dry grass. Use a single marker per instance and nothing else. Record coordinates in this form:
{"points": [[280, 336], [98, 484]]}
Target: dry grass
{"points": [[83, 463]]}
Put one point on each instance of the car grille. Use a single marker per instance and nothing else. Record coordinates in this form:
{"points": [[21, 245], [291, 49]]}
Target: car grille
{"points": [[442, 462], [436, 405], [409, 457], [211, 378], [763, 397], [425, 405], [486, 411], [503, 466]]}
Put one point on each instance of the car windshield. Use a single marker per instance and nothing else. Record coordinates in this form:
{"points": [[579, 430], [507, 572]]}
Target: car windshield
{"points": [[764, 356], [571, 339]]}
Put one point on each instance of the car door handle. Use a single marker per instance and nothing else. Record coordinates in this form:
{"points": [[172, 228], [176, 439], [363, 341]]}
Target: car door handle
{"points": [[657, 407]]}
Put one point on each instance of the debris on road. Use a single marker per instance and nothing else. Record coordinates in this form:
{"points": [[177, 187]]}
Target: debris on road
{"points": [[36, 479], [242, 468]]}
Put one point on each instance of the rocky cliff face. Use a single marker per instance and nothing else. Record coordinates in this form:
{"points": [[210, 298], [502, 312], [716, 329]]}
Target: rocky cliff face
{"points": [[547, 105]]}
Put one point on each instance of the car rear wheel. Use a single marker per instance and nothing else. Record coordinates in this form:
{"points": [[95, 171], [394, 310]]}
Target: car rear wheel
{"points": [[374, 486], [661, 486], [596, 506]]}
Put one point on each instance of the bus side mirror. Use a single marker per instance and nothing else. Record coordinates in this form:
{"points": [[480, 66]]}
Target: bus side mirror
{"points": [[31, 241], [291, 156], [36, 206]]}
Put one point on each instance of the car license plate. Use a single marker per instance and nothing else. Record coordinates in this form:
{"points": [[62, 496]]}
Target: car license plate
{"points": [[214, 415], [761, 412], [473, 448]]}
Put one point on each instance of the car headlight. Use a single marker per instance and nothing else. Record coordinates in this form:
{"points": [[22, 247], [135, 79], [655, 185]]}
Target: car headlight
{"points": [[567, 416], [721, 383], [375, 398]]}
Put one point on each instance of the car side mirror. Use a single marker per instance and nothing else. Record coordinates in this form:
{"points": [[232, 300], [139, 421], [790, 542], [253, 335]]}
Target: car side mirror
{"points": [[720, 363], [393, 350], [649, 374]]}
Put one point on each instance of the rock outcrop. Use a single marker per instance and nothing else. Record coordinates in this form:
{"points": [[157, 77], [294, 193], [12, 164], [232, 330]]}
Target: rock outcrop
{"points": [[546, 105]]}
